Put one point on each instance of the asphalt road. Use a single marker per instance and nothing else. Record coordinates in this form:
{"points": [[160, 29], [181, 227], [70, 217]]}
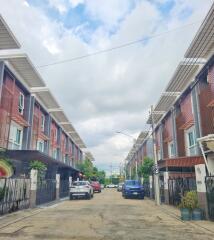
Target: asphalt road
{"points": [[107, 216]]}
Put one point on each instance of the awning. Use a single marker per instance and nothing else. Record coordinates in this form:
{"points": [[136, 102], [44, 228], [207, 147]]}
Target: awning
{"points": [[156, 116], [203, 43], [166, 101], [181, 162], [7, 39], [30, 155], [183, 75], [24, 67]]}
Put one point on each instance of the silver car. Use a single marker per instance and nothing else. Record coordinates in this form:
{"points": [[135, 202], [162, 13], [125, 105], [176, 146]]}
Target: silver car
{"points": [[120, 186], [81, 189]]}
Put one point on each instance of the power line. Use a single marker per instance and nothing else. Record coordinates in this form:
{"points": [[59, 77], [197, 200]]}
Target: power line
{"points": [[118, 47]]}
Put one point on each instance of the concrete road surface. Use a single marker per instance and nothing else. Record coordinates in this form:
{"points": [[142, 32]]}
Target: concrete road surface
{"points": [[107, 216]]}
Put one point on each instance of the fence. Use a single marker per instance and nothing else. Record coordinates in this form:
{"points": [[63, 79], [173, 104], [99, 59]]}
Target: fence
{"points": [[146, 189], [14, 194], [209, 181], [64, 188], [46, 191], [178, 187]]}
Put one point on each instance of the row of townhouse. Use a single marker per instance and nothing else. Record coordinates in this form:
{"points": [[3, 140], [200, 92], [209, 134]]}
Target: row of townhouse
{"points": [[183, 115], [32, 124]]}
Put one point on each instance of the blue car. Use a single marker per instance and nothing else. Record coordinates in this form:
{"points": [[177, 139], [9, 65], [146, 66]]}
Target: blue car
{"points": [[133, 188]]}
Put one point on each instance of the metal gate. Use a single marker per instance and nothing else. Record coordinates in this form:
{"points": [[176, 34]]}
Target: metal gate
{"points": [[161, 184], [64, 188], [146, 186], [14, 194], [46, 191], [210, 195], [178, 187]]}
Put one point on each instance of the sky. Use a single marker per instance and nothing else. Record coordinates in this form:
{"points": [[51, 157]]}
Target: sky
{"points": [[112, 91]]}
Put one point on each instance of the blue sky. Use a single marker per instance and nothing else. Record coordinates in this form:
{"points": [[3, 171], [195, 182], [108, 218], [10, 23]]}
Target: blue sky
{"points": [[72, 17]]}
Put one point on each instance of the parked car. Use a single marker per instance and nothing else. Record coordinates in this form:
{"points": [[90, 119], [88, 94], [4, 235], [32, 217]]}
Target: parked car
{"points": [[120, 186], [96, 186], [81, 189], [133, 188], [111, 185]]}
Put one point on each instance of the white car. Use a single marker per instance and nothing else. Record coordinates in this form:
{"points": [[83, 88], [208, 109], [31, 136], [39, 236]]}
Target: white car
{"points": [[111, 185], [81, 189]]}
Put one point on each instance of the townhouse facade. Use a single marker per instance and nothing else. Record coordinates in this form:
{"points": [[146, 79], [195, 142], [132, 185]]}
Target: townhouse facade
{"points": [[183, 115], [32, 124]]}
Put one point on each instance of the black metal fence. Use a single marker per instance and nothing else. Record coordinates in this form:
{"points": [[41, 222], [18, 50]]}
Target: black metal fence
{"points": [[210, 195], [14, 194], [46, 191], [64, 188], [162, 193], [178, 187], [146, 186]]}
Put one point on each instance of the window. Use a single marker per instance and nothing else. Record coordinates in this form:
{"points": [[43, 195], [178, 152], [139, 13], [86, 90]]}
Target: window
{"points": [[18, 136], [171, 149], [40, 146], [43, 122], [21, 103], [191, 138], [55, 153], [190, 141]]}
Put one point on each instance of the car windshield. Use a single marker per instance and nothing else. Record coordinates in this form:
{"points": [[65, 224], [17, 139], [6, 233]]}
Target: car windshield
{"points": [[132, 182], [80, 183]]}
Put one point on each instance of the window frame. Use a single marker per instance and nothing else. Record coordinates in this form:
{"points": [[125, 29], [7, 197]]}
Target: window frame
{"points": [[21, 106]]}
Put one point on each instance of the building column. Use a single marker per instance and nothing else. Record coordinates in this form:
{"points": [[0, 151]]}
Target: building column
{"points": [[161, 141], [48, 133], [33, 187], [196, 114], [1, 77], [200, 173], [27, 133], [57, 186], [151, 186], [166, 187], [174, 131]]}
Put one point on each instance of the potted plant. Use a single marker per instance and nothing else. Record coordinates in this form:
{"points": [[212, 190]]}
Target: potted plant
{"points": [[189, 207]]}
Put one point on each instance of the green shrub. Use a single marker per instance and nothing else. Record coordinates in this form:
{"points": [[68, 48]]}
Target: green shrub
{"points": [[189, 200]]}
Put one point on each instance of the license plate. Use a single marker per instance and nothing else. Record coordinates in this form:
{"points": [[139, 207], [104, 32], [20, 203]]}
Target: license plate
{"points": [[135, 193]]}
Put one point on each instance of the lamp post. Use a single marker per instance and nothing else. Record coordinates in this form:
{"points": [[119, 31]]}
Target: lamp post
{"points": [[157, 190], [134, 141]]}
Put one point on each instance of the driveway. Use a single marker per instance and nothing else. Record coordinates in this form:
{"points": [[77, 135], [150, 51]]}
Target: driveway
{"points": [[107, 216]]}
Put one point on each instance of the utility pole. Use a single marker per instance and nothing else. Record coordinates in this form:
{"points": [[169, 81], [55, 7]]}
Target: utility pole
{"points": [[136, 169], [111, 171], [157, 189]]}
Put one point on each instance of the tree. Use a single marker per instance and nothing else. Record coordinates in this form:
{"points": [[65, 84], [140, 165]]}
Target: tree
{"points": [[91, 172], [145, 170]]}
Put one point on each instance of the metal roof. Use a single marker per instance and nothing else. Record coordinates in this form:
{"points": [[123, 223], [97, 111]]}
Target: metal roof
{"points": [[156, 115], [203, 42], [182, 76], [142, 136], [89, 156], [166, 101], [24, 67], [7, 39]]}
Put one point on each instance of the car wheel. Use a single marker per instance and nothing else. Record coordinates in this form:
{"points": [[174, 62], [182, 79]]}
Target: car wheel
{"points": [[88, 196]]}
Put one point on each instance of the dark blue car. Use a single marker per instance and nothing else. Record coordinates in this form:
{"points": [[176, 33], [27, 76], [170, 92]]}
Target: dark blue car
{"points": [[133, 188]]}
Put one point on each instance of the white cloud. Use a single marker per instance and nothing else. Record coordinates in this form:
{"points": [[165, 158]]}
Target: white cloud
{"points": [[75, 3], [60, 5], [112, 91]]}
